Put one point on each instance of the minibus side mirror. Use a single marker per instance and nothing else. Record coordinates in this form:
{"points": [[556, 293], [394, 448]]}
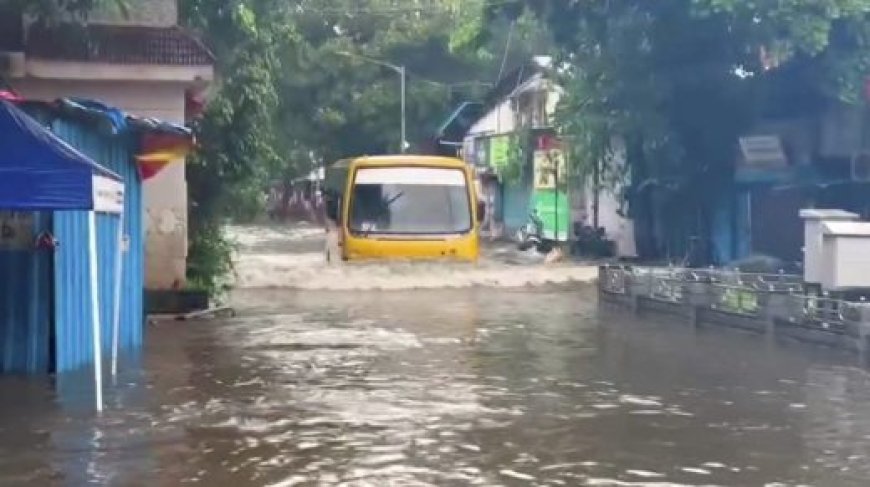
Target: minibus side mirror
{"points": [[481, 211]]}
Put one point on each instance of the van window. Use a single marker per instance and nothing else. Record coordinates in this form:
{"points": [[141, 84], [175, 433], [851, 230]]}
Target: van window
{"points": [[410, 200]]}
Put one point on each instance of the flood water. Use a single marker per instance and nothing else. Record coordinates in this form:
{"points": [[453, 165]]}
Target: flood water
{"points": [[460, 387]]}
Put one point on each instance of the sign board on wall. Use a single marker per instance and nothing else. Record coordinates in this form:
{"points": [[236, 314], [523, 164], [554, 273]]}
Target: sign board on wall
{"points": [[550, 166], [763, 151], [553, 209], [481, 152], [108, 195], [499, 151], [550, 198], [16, 230]]}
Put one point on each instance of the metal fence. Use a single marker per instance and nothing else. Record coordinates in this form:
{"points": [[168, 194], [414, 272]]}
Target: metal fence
{"points": [[737, 299], [827, 314], [738, 290], [775, 299], [614, 280]]}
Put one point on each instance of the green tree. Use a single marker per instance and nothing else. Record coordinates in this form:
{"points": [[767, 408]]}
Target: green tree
{"points": [[236, 133], [56, 10], [294, 92], [679, 80]]}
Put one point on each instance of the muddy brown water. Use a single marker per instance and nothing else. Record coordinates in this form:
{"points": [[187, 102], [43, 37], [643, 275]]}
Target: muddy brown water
{"points": [[463, 387]]}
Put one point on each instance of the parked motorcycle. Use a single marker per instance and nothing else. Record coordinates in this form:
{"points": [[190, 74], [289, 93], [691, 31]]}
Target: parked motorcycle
{"points": [[532, 235], [592, 242]]}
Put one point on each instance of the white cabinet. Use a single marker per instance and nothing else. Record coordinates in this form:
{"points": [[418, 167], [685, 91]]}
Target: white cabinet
{"points": [[845, 255], [813, 221]]}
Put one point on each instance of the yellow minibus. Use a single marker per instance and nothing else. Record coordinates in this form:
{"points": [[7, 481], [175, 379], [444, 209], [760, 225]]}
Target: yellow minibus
{"points": [[401, 207]]}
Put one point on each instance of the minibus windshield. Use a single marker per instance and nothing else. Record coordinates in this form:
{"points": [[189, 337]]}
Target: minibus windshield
{"points": [[410, 200]]}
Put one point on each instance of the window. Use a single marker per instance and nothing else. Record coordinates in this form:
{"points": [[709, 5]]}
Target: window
{"points": [[410, 200]]}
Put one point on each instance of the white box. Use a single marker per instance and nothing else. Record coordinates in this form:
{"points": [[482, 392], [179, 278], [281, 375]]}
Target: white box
{"points": [[813, 220], [845, 255]]}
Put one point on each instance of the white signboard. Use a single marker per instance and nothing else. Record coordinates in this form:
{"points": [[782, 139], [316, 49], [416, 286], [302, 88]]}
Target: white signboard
{"points": [[108, 195], [763, 151], [16, 230]]}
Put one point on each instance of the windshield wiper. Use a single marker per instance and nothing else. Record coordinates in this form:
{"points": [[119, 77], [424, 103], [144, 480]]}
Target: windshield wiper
{"points": [[386, 206], [392, 200]]}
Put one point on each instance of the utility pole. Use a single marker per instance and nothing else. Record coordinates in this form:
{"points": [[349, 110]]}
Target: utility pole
{"points": [[403, 143]]}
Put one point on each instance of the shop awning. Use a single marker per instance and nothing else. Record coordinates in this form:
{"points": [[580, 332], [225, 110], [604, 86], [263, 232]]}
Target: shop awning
{"points": [[39, 171]]}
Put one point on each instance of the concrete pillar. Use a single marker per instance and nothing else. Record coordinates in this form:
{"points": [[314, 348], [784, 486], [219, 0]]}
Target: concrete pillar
{"points": [[694, 315], [635, 304], [863, 329], [777, 308]]}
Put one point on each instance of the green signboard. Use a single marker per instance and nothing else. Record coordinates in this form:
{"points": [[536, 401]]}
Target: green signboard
{"points": [[550, 195], [554, 211], [499, 151]]}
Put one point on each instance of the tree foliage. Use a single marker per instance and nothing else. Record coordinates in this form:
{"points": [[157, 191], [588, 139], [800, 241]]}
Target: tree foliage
{"points": [[236, 133], [48, 11], [295, 91], [675, 82]]}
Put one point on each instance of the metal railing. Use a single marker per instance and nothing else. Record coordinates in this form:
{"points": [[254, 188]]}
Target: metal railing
{"points": [[668, 287], [737, 299], [825, 313], [668, 283], [615, 280], [774, 299], [779, 282]]}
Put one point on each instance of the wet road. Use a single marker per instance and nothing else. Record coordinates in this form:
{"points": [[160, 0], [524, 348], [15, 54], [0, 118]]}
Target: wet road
{"points": [[462, 387]]}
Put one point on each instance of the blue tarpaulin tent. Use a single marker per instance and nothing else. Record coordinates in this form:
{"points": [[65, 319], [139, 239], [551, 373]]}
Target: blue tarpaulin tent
{"points": [[40, 172]]}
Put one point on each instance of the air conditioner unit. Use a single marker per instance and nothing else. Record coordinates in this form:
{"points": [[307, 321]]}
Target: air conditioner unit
{"points": [[861, 166], [12, 64]]}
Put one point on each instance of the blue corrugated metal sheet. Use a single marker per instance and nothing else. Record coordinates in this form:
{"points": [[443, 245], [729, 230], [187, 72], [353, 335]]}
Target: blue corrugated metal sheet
{"points": [[73, 312], [25, 307], [72, 286]]}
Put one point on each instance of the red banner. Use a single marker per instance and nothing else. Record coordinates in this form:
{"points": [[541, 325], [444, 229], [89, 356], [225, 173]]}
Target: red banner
{"points": [[159, 150]]}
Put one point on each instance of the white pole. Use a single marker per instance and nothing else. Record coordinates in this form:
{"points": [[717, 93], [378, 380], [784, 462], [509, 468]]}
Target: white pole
{"points": [[402, 73], [95, 310], [116, 321]]}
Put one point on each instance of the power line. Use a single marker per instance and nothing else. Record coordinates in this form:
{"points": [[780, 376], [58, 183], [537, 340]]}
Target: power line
{"points": [[396, 10], [507, 48], [411, 74], [448, 84], [419, 77]]}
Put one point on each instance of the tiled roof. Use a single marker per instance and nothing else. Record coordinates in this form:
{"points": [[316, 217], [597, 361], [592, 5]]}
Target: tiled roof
{"points": [[117, 44]]}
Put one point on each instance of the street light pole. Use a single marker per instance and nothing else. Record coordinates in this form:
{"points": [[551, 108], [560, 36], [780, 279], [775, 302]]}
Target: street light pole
{"points": [[404, 142], [402, 74]]}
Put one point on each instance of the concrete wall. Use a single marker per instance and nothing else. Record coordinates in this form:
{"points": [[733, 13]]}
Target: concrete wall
{"points": [[619, 229], [165, 194]]}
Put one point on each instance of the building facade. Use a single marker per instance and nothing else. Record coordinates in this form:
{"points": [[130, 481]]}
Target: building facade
{"points": [[142, 63], [516, 131]]}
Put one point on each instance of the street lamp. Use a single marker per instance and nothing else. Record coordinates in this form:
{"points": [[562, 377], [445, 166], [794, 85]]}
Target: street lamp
{"points": [[402, 74]]}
